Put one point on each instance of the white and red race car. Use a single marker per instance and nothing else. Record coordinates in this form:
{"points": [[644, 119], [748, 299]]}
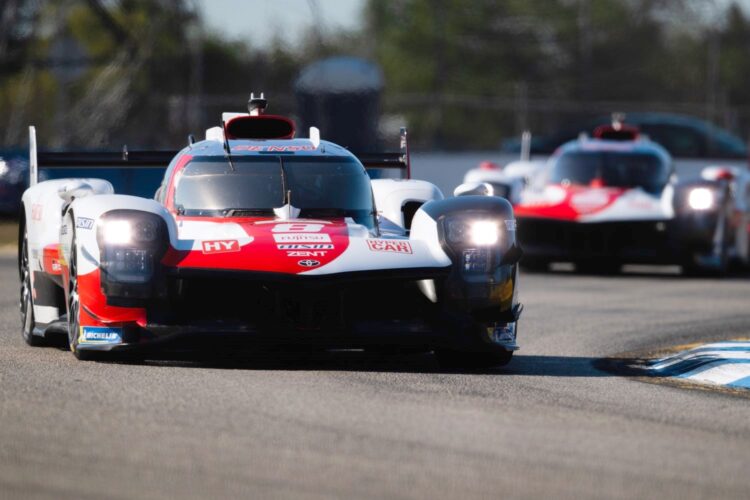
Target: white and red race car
{"points": [[613, 199], [259, 237]]}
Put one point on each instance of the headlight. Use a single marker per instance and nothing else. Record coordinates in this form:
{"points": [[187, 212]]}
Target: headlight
{"points": [[484, 233], [117, 232], [474, 232], [131, 244], [701, 198], [123, 231]]}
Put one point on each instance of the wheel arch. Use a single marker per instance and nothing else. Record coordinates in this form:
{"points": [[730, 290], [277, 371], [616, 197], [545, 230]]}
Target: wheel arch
{"points": [[21, 230]]}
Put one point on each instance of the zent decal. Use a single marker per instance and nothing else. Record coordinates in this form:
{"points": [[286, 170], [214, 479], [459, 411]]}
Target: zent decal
{"points": [[220, 246], [84, 223], [306, 253], [100, 335], [395, 246]]}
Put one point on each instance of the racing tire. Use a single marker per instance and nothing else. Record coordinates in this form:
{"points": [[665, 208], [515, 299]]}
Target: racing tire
{"points": [[26, 302], [74, 310], [692, 269], [461, 361]]}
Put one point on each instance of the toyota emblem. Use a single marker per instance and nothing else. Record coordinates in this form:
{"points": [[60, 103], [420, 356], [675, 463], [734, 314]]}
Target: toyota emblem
{"points": [[308, 263]]}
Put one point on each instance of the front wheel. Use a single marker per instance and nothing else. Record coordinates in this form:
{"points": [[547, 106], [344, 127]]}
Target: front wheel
{"points": [[695, 270], [718, 267], [74, 310], [26, 302]]}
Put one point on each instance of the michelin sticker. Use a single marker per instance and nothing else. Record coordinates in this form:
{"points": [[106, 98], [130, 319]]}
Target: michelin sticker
{"points": [[101, 335]]}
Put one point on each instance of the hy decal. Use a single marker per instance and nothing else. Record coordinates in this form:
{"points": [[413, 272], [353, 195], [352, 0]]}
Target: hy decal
{"points": [[220, 246]]}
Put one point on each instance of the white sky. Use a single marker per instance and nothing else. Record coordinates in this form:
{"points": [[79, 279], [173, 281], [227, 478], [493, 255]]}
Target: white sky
{"points": [[257, 21]]}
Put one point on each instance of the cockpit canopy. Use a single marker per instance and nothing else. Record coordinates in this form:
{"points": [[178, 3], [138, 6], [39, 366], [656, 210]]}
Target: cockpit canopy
{"points": [[624, 169], [320, 186]]}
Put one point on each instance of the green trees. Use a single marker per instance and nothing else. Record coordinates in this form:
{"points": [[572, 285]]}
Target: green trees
{"points": [[95, 74], [468, 73], [463, 74]]}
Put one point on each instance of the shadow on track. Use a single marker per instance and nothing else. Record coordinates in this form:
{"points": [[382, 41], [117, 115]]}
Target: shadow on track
{"points": [[367, 361], [199, 356], [630, 271]]}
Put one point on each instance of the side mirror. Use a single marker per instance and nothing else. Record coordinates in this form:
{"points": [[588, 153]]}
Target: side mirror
{"points": [[474, 188], [73, 190]]}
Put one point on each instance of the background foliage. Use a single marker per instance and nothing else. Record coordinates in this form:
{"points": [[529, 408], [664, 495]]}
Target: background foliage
{"points": [[463, 74]]}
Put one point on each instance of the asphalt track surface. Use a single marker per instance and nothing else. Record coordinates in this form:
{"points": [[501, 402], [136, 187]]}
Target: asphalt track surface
{"points": [[351, 425]]}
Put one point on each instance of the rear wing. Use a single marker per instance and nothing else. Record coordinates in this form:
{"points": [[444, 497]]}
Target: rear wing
{"points": [[131, 172], [393, 160], [140, 172]]}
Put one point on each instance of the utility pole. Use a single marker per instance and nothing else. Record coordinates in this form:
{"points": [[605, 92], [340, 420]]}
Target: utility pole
{"points": [[584, 48], [712, 79], [317, 26], [441, 71], [195, 86]]}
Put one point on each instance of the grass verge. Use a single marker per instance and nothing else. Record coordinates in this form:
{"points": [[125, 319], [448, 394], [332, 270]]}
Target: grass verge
{"points": [[8, 235]]}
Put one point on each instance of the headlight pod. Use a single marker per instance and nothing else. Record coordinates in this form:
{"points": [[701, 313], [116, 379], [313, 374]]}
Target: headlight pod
{"points": [[701, 198], [131, 243], [478, 241]]}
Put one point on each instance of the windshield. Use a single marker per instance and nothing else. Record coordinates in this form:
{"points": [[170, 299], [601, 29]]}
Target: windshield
{"points": [[319, 187], [644, 170]]}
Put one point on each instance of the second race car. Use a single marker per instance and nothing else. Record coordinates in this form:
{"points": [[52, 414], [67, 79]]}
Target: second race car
{"points": [[613, 199]]}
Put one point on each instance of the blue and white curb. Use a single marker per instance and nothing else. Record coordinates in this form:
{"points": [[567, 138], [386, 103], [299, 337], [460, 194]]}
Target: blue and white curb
{"points": [[723, 363]]}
